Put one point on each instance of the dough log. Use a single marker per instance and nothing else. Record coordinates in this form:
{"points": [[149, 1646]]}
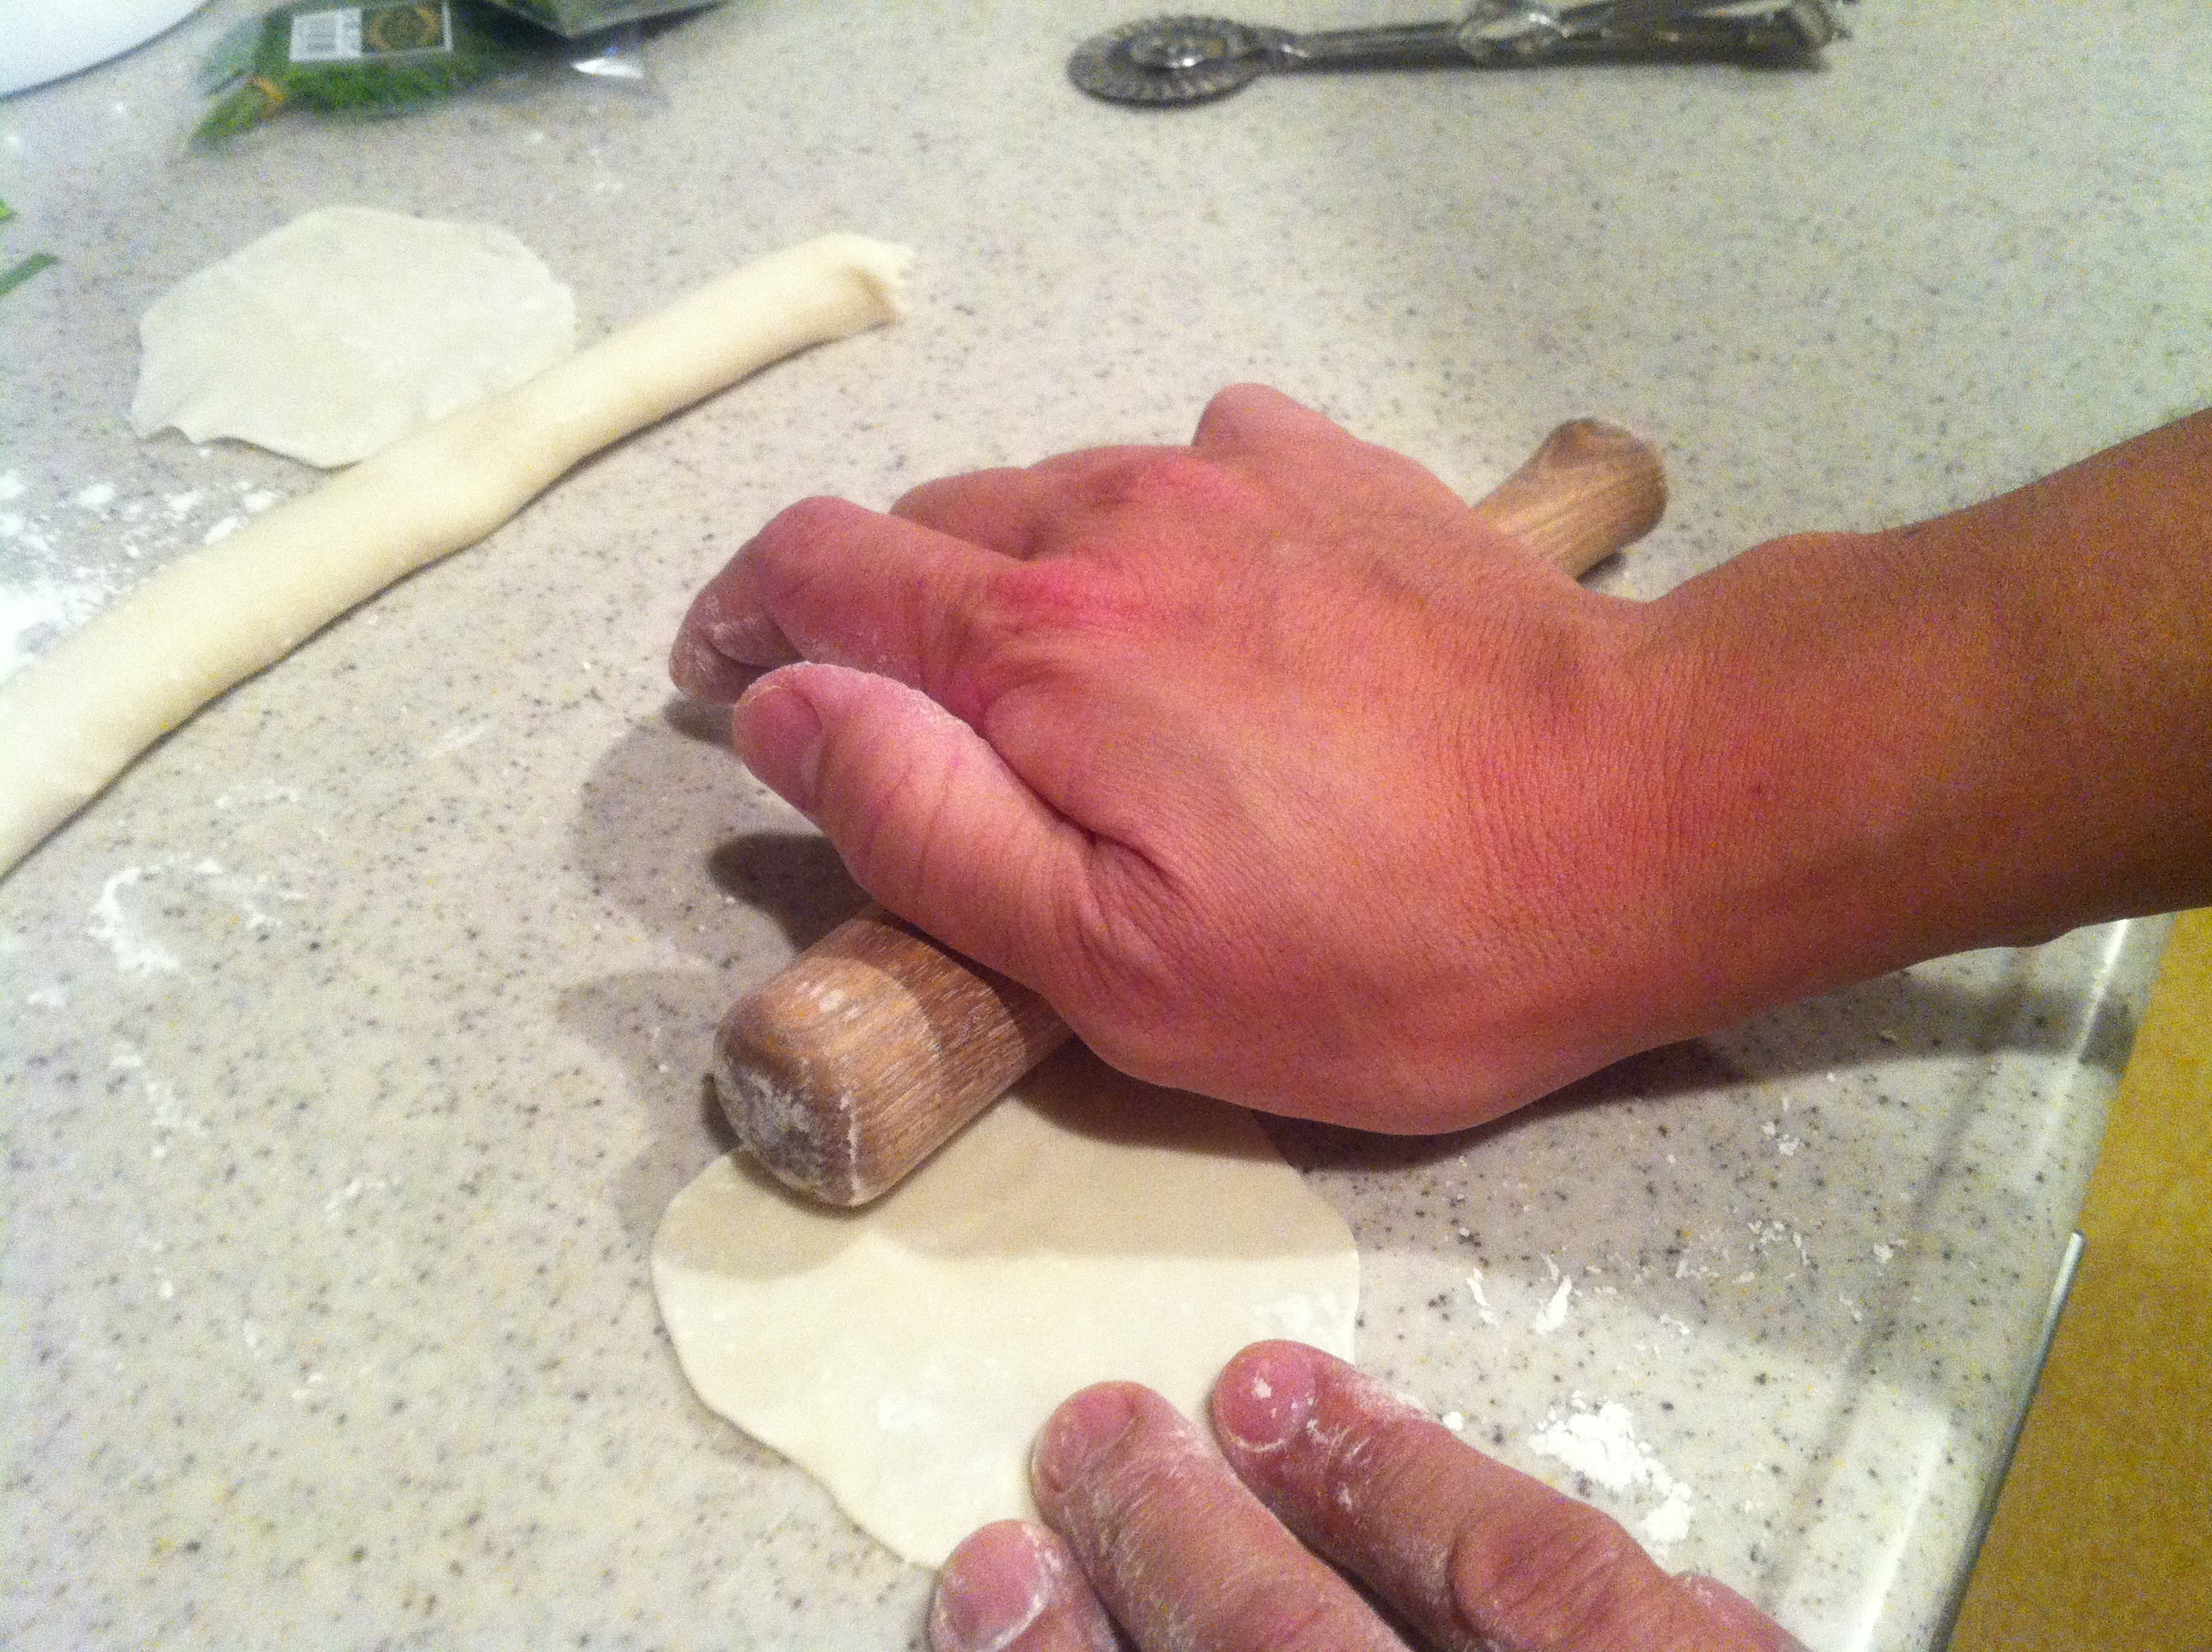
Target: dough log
{"points": [[76, 718]]}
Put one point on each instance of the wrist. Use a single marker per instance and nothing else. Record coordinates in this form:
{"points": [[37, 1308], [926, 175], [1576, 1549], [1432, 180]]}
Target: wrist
{"points": [[1839, 800]]}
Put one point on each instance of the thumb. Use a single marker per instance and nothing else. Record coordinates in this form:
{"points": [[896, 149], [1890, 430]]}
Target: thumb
{"points": [[928, 817]]}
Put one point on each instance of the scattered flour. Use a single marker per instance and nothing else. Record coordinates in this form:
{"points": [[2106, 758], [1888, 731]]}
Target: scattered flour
{"points": [[1600, 1443], [167, 1114], [1553, 1314], [138, 950], [60, 566], [459, 737], [40, 611], [1483, 1310]]}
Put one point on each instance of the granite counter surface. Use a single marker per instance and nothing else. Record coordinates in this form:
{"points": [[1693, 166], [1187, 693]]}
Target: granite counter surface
{"points": [[352, 1044]]}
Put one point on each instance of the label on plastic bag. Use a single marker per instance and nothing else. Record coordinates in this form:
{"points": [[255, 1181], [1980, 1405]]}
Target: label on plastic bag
{"points": [[349, 34]]}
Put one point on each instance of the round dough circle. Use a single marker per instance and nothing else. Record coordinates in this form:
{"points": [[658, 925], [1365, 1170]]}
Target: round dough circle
{"points": [[1088, 1227], [347, 329]]}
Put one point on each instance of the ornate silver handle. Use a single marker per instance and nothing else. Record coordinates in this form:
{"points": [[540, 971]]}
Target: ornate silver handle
{"points": [[1172, 60]]}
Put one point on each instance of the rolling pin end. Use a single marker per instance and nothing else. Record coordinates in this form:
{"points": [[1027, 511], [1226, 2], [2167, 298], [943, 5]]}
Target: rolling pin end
{"points": [[866, 1054], [814, 1149]]}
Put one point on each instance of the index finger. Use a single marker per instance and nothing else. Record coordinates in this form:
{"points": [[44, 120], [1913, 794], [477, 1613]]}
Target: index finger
{"points": [[1473, 1553]]}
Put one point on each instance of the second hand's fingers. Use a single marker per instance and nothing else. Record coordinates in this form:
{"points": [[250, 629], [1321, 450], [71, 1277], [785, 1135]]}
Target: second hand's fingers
{"points": [[1013, 1587], [1473, 1553], [1181, 1554]]}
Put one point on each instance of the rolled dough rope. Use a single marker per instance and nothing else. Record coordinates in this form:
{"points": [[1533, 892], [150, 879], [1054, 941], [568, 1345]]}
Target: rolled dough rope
{"points": [[74, 719]]}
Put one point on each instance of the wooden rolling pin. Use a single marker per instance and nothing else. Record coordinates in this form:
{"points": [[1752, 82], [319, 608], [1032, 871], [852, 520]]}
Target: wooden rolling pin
{"points": [[874, 1046]]}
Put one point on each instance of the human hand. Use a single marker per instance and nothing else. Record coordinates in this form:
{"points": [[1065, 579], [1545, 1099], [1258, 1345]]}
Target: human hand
{"points": [[1152, 1541], [1266, 763], [1285, 779]]}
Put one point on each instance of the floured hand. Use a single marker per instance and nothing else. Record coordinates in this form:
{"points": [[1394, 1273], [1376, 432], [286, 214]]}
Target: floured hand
{"points": [[1154, 1540]]}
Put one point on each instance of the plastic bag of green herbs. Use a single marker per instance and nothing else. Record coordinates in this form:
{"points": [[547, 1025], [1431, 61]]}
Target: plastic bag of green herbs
{"points": [[377, 57], [575, 17]]}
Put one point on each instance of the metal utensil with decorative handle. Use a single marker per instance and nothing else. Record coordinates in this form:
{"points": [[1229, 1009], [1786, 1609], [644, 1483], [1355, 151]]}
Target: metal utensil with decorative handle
{"points": [[1164, 61]]}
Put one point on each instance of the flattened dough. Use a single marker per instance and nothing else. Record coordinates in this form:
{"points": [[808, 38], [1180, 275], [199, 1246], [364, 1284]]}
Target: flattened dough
{"points": [[345, 330], [74, 719], [1087, 1228]]}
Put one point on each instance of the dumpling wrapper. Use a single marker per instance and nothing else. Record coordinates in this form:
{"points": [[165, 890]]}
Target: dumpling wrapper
{"points": [[1088, 1227], [345, 330]]}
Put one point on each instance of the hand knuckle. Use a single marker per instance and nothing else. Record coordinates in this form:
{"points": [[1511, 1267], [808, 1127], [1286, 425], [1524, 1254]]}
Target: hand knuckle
{"points": [[1574, 1580], [798, 529], [1293, 1615], [1061, 594], [812, 517], [1234, 401], [1174, 481], [1121, 972]]}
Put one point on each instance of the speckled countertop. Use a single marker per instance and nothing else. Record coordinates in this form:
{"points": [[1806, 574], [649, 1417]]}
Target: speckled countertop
{"points": [[352, 1044]]}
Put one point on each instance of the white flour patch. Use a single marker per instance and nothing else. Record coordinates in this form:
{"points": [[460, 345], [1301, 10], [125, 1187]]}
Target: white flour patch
{"points": [[1599, 1443], [62, 566], [1553, 1314], [459, 737], [907, 1414], [269, 792], [166, 1112], [137, 953], [334, 1207], [1483, 1310], [1767, 1234], [139, 949], [42, 611]]}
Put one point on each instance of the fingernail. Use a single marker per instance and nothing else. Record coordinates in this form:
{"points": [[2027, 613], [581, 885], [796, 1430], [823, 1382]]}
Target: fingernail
{"points": [[1076, 1434], [1265, 1397], [778, 732], [751, 640], [994, 1588]]}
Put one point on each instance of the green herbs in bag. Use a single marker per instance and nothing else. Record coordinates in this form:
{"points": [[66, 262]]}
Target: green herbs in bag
{"points": [[378, 57], [577, 17]]}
